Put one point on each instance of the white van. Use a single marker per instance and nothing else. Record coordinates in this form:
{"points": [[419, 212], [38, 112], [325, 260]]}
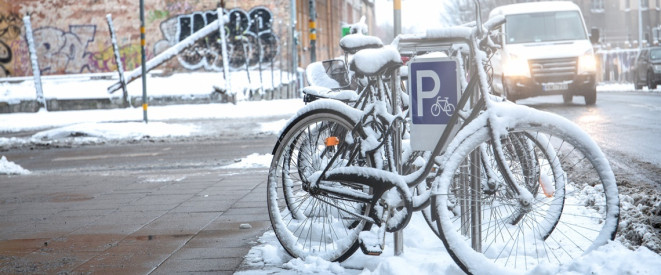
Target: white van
{"points": [[545, 51]]}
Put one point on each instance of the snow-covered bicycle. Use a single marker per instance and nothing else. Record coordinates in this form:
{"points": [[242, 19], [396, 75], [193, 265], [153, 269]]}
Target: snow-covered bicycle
{"points": [[516, 187]]}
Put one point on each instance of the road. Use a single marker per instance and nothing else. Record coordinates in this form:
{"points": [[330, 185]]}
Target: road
{"points": [[627, 127]]}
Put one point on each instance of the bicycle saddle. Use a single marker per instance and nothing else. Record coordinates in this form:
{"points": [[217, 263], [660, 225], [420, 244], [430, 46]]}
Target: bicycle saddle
{"points": [[353, 43], [371, 62]]}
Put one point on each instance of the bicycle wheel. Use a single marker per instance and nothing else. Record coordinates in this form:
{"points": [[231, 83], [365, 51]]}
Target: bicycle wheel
{"points": [[528, 163], [314, 223], [489, 231]]}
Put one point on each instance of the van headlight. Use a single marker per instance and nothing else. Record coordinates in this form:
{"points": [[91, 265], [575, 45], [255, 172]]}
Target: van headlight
{"points": [[516, 66], [587, 63]]}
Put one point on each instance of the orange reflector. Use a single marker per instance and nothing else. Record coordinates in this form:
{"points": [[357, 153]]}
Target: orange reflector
{"points": [[547, 193], [332, 141]]}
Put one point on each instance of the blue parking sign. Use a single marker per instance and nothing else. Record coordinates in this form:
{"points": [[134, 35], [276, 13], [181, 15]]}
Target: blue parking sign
{"points": [[433, 90]]}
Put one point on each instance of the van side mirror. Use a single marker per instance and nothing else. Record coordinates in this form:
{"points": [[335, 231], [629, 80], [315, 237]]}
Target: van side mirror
{"points": [[594, 35]]}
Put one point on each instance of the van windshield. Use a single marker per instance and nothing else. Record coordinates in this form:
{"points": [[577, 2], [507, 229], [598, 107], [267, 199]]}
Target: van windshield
{"points": [[544, 27]]}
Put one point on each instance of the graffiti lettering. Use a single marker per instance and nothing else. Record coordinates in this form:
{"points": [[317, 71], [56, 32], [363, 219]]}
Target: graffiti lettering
{"points": [[64, 52], [246, 33], [104, 60], [9, 30]]}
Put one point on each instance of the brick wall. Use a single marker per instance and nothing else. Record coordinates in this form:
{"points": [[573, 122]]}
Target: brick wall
{"points": [[72, 36]]}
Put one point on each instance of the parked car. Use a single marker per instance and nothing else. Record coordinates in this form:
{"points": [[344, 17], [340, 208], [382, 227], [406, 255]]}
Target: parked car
{"points": [[647, 70]]}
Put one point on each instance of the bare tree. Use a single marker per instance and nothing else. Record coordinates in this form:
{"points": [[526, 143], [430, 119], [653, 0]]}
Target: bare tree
{"points": [[463, 11]]}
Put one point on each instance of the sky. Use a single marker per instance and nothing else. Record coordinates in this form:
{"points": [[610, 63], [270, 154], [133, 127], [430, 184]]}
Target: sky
{"points": [[417, 15]]}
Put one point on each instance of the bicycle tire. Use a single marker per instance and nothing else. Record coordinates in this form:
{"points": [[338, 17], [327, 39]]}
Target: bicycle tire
{"points": [[527, 162], [588, 203], [306, 224]]}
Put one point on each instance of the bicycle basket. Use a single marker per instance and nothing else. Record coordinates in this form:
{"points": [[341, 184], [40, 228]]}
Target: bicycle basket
{"points": [[337, 70]]}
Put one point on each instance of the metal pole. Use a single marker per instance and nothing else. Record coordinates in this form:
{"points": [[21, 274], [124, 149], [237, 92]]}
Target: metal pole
{"points": [[41, 101], [313, 31], [118, 60], [294, 50], [397, 16], [640, 24], [143, 61], [261, 54], [397, 149], [223, 51]]}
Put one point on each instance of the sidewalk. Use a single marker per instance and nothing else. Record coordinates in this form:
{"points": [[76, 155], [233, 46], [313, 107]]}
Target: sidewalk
{"points": [[89, 91], [127, 224]]}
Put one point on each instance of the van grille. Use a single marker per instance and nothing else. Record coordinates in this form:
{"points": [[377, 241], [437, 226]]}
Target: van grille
{"points": [[553, 70]]}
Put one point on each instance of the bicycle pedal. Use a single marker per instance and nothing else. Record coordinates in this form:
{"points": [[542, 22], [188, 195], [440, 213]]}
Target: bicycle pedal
{"points": [[370, 244]]}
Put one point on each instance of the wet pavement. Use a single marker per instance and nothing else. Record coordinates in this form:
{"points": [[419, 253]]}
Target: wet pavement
{"points": [[119, 222]]}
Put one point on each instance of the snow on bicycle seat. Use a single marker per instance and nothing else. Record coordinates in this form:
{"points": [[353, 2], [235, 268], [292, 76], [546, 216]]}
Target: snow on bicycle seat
{"points": [[313, 93], [317, 76], [370, 62], [353, 43]]}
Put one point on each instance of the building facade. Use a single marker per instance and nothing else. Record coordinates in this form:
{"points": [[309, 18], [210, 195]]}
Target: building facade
{"points": [[72, 37]]}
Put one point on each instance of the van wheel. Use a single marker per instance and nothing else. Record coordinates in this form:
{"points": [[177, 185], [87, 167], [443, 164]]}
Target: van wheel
{"points": [[567, 98], [591, 97]]}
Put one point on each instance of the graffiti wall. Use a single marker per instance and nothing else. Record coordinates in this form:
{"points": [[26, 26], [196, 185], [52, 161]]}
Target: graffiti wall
{"points": [[72, 37], [251, 40]]}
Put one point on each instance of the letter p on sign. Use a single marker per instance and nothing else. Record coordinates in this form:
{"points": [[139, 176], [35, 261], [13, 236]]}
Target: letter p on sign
{"points": [[422, 94]]}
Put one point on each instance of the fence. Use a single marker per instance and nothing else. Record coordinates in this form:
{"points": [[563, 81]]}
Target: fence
{"points": [[616, 66]]}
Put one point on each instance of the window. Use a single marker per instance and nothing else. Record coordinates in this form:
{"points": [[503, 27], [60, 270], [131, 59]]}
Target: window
{"points": [[627, 4], [597, 6]]}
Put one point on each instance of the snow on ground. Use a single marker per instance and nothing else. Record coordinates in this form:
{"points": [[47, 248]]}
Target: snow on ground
{"points": [[82, 87], [622, 87], [251, 161], [424, 253], [16, 122], [10, 168]]}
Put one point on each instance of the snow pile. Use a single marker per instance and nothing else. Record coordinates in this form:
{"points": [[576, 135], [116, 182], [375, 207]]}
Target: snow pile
{"points": [[10, 168], [273, 127], [116, 131], [180, 84], [252, 161], [424, 253], [16, 122], [640, 223]]}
